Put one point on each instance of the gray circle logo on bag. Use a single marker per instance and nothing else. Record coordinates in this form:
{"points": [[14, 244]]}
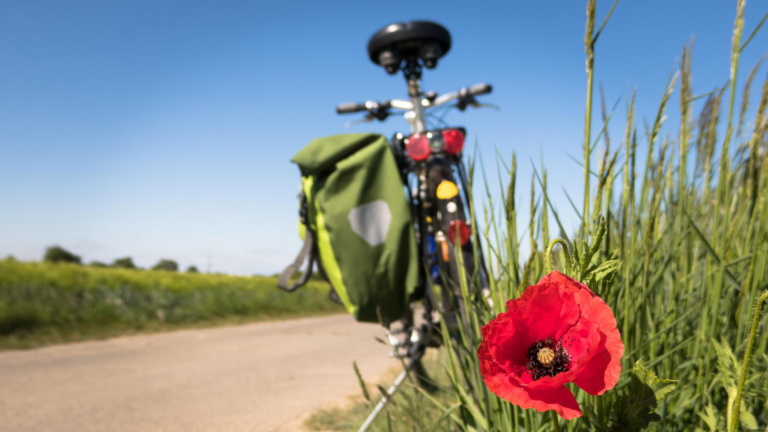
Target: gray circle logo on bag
{"points": [[371, 221]]}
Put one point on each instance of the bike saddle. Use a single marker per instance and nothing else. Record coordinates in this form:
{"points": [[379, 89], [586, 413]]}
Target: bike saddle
{"points": [[394, 43]]}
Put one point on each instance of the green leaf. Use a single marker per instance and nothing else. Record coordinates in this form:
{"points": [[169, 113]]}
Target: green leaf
{"points": [[710, 417], [661, 386], [593, 420], [747, 420], [445, 414], [727, 364], [635, 408], [605, 269], [361, 382]]}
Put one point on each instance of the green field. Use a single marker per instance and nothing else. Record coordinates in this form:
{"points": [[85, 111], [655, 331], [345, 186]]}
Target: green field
{"points": [[42, 303]]}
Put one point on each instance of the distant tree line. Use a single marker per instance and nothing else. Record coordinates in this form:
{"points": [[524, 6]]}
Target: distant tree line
{"points": [[57, 254]]}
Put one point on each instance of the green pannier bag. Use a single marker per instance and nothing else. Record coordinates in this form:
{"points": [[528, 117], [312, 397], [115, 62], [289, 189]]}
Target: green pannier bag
{"points": [[356, 224]]}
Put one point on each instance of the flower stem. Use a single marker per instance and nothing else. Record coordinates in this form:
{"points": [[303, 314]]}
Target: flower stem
{"points": [[745, 363], [554, 421], [566, 252], [589, 48]]}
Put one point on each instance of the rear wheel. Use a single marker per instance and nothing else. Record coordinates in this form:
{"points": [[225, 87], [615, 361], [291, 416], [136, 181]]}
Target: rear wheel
{"points": [[440, 208], [451, 227]]}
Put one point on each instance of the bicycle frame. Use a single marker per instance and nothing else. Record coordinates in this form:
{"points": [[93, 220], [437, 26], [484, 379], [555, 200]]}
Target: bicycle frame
{"points": [[414, 173], [419, 338], [431, 214], [415, 116]]}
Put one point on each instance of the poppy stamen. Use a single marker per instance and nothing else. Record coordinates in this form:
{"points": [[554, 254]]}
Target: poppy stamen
{"points": [[547, 357]]}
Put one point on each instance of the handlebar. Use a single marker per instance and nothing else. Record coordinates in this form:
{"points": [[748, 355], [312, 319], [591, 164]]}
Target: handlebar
{"points": [[480, 89], [381, 110], [463, 95], [350, 107], [370, 106]]}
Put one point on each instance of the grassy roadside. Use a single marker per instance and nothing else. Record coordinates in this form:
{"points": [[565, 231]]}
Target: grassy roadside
{"points": [[410, 409], [42, 304]]}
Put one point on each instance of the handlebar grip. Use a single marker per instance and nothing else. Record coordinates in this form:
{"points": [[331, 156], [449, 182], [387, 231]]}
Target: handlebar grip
{"points": [[479, 89], [350, 107]]}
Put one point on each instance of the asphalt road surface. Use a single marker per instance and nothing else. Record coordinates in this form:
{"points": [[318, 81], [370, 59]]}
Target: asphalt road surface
{"points": [[257, 377]]}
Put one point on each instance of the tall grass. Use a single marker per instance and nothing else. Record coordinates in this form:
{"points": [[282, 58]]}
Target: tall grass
{"points": [[43, 303], [681, 248], [410, 409]]}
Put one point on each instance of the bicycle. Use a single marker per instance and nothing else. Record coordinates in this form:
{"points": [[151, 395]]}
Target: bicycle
{"points": [[429, 159]]}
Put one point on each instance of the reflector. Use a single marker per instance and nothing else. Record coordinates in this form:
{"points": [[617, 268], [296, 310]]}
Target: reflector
{"points": [[464, 233], [454, 141], [417, 147]]}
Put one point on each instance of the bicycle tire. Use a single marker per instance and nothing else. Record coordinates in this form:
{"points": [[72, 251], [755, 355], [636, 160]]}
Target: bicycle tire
{"points": [[447, 210]]}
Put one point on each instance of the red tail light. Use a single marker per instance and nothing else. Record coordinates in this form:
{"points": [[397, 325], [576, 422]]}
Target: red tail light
{"points": [[464, 233], [417, 147], [454, 141]]}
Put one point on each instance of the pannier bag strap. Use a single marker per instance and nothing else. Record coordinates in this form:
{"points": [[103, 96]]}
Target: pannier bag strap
{"points": [[306, 254]]}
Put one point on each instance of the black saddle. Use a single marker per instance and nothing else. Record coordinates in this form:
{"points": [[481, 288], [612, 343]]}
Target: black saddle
{"points": [[417, 40]]}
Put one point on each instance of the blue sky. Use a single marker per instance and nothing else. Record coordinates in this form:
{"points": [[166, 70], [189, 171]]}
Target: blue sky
{"points": [[164, 129]]}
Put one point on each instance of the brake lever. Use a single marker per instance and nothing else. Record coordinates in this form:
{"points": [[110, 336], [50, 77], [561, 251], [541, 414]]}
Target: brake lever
{"points": [[377, 113], [465, 100], [367, 119], [484, 105], [380, 112]]}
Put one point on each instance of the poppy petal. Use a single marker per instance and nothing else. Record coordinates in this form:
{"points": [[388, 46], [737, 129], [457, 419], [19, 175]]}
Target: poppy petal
{"points": [[602, 371], [551, 312], [559, 399], [505, 342]]}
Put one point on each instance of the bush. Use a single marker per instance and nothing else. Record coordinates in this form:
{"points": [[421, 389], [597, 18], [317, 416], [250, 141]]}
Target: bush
{"points": [[56, 254], [42, 303], [126, 263], [97, 264], [192, 269], [166, 265]]}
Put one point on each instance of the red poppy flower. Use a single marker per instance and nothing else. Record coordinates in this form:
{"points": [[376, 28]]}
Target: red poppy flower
{"points": [[557, 332]]}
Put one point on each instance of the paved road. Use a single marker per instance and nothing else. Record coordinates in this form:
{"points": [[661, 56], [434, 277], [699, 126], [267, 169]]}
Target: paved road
{"points": [[257, 377]]}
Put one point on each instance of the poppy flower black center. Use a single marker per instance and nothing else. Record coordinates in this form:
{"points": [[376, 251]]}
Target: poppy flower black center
{"points": [[547, 357]]}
